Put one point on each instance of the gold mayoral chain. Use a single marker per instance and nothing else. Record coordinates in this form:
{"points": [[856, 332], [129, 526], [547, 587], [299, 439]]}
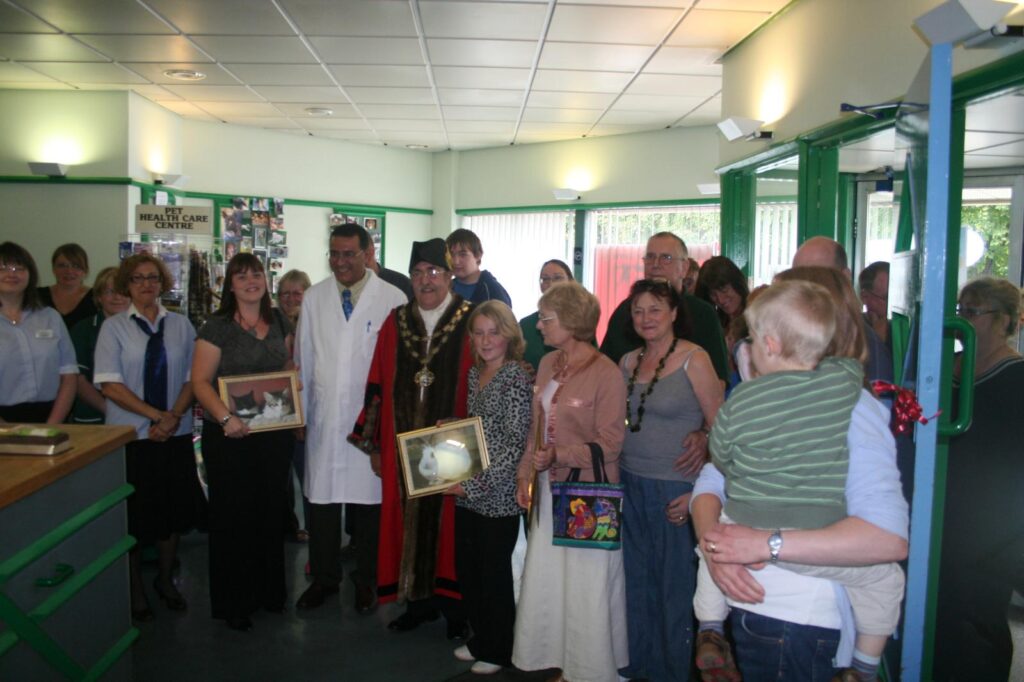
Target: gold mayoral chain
{"points": [[424, 377]]}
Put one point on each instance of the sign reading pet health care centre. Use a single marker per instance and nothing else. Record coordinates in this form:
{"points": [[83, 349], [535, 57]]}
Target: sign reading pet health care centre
{"points": [[153, 219]]}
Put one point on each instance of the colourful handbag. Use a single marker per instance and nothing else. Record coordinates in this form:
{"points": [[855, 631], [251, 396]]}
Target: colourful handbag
{"points": [[586, 514]]}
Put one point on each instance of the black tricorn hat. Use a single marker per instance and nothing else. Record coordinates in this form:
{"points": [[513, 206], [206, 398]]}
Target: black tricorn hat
{"points": [[432, 251]]}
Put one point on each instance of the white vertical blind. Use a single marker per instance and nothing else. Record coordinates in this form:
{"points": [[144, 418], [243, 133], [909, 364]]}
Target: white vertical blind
{"points": [[775, 240], [516, 245]]}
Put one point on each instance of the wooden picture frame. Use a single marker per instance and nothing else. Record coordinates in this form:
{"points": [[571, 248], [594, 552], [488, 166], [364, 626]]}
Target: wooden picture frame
{"points": [[436, 458], [264, 402]]}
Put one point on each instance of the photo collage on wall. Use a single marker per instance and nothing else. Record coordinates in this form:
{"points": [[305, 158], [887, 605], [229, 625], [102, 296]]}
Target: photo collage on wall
{"points": [[256, 225], [373, 224]]}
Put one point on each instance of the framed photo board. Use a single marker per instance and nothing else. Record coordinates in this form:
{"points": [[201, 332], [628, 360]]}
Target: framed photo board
{"points": [[436, 458], [265, 402]]}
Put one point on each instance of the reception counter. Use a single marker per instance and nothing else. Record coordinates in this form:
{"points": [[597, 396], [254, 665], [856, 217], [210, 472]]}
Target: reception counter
{"points": [[64, 606]]}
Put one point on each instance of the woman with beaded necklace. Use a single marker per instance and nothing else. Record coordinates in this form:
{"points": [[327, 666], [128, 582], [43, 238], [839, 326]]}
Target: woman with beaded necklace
{"points": [[671, 391]]}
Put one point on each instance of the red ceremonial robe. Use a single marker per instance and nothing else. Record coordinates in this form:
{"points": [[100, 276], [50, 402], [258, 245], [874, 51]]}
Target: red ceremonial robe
{"points": [[410, 528]]}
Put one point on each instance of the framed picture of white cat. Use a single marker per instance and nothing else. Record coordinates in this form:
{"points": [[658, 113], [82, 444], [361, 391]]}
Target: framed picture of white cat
{"points": [[265, 402], [436, 458]]}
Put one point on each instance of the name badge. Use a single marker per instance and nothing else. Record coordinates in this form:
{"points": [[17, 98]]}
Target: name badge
{"points": [[44, 334]]}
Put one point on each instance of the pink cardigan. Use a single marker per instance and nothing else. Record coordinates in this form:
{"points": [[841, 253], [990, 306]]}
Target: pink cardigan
{"points": [[589, 408]]}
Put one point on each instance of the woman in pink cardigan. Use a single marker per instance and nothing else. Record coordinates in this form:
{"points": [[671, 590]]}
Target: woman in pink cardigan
{"points": [[571, 613]]}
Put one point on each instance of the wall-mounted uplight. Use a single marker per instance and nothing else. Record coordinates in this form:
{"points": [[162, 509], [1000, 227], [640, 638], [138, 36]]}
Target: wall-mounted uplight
{"points": [[187, 75], [170, 179], [565, 194], [739, 128], [957, 20], [53, 170]]}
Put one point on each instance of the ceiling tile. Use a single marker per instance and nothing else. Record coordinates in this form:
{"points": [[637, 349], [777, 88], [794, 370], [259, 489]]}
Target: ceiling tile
{"points": [[35, 86], [627, 58], [1000, 114], [16, 20], [382, 76], [350, 50], [97, 16], [1013, 148], [279, 123], [46, 48], [281, 74], [214, 93], [298, 109], [699, 61], [678, 104], [675, 4], [547, 127], [469, 77], [501, 20], [333, 124], [16, 73], [708, 113], [745, 5], [188, 110], [349, 135], [514, 53], [605, 129], [400, 139], [653, 119], [224, 110], [351, 18], [617, 25], [481, 97], [400, 111], [580, 81], [155, 72], [248, 50], [78, 72], [664, 84], [155, 93], [145, 48], [411, 125], [226, 17], [977, 140], [570, 100], [587, 116], [463, 141], [300, 93], [480, 113], [493, 127], [715, 28], [391, 95]]}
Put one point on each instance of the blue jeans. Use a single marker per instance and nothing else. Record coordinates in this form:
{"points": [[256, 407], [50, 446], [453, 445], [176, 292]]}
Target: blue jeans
{"points": [[771, 649], [661, 574]]}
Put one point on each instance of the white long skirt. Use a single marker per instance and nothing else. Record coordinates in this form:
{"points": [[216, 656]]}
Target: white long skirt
{"points": [[572, 608]]}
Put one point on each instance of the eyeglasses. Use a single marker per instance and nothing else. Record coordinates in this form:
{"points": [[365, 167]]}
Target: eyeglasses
{"points": [[148, 279], [16, 269], [662, 258], [345, 255], [544, 279], [969, 311], [429, 273], [545, 320]]}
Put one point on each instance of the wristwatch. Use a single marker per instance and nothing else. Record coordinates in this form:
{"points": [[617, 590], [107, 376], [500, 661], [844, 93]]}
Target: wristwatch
{"points": [[775, 545], [226, 419]]}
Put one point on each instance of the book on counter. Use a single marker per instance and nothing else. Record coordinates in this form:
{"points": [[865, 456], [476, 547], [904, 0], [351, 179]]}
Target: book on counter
{"points": [[21, 439]]}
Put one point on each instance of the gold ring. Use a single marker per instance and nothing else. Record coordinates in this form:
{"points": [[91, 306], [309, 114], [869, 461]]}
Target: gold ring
{"points": [[712, 548]]}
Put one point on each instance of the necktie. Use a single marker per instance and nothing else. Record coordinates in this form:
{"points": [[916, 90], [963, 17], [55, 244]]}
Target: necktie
{"points": [[346, 303], [154, 385]]}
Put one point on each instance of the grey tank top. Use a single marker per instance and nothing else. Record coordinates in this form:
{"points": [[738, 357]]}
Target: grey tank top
{"points": [[671, 412]]}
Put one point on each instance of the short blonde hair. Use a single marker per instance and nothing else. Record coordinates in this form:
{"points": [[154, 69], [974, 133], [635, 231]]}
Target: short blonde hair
{"points": [[297, 276], [800, 314], [577, 309], [851, 337], [105, 278], [502, 317], [1001, 294]]}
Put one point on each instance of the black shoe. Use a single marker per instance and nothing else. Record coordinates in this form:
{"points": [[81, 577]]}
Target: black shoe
{"points": [[366, 600], [315, 595], [143, 615], [410, 621], [174, 602], [239, 623], [458, 630]]}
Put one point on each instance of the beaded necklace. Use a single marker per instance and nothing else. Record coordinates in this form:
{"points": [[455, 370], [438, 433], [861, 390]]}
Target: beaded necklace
{"points": [[634, 427]]}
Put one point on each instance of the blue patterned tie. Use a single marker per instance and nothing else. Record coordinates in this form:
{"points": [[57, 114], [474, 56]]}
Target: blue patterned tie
{"points": [[346, 302], [154, 389]]}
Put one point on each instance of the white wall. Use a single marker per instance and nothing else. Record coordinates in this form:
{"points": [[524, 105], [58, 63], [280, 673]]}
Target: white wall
{"points": [[154, 139], [795, 73], [665, 164]]}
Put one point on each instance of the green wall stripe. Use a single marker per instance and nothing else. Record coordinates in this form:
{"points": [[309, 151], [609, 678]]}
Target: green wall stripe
{"points": [[366, 208]]}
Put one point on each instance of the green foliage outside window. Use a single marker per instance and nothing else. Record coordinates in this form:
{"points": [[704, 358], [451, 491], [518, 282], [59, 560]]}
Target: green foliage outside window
{"points": [[992, 222]]}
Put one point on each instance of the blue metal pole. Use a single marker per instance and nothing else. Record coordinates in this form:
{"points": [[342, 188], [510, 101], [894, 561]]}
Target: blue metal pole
{"points": [[934, 263]]}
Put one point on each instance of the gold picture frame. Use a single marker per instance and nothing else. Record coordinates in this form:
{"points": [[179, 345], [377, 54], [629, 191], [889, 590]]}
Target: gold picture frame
{"points": [[264, 402], [436, 458]]}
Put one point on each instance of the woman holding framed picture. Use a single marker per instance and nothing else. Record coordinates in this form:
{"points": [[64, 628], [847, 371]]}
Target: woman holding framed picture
{"points": [[246, 471]]}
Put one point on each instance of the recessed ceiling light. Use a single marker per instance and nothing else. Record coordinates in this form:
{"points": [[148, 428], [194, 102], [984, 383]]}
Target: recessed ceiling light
{"points": [[319, 111], [184, 74], [416, 146]]}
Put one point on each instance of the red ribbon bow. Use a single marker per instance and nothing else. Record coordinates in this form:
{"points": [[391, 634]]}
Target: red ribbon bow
{"points": [[905, 408]]}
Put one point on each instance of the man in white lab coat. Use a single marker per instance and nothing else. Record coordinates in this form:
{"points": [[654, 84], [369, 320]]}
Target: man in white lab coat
{"points": [[334, 346]]}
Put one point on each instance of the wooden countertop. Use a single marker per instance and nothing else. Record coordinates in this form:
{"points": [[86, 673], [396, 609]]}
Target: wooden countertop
{"points": [[22, 475]]}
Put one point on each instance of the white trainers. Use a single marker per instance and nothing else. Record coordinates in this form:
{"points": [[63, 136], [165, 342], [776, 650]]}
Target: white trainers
{"points": [[485, 668], [462, 653]]}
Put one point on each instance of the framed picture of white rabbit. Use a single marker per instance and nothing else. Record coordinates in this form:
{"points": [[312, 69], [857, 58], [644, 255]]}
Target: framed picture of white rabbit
{"points": [[436, 458], [264, 402]]}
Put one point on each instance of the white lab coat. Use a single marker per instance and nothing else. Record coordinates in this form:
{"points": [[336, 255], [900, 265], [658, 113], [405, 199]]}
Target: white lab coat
{"points": [[334, 356]]}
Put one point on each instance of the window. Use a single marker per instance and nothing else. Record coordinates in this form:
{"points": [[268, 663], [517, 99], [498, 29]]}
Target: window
{"points": [[774, 240]]}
